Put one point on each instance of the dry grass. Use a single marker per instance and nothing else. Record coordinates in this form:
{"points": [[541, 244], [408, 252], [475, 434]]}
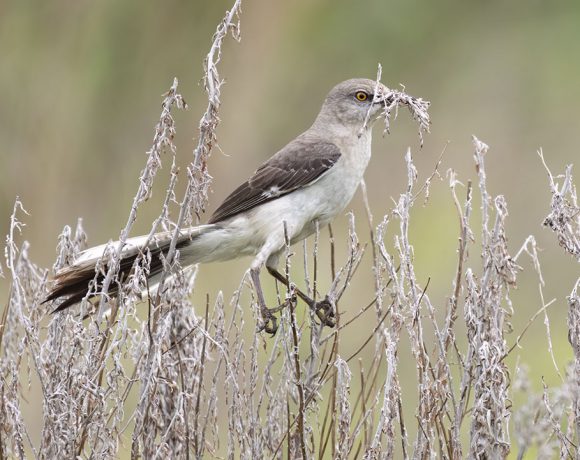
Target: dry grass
{"points": [[162, 379]]}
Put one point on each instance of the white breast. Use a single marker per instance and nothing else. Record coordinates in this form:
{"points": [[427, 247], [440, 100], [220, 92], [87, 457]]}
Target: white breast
{"points": [[340, 184], [321, 202]]}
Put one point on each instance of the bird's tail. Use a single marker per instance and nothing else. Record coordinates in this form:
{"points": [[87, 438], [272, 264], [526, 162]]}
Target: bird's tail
{"points": [[73, 282]]}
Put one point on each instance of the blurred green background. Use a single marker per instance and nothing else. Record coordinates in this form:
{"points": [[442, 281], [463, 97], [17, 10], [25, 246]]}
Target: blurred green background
{"points": [[80, 86]]}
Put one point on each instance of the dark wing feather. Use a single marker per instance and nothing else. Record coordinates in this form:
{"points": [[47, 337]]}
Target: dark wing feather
{"points": [[73, 284], [297, 165]]}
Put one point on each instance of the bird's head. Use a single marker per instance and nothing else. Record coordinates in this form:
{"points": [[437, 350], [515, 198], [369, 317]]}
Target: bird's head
{"points": [[354, 102]]}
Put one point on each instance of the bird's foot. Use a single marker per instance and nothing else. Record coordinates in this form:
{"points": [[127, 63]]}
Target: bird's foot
{"points": [[324, 309], [269, 320]]}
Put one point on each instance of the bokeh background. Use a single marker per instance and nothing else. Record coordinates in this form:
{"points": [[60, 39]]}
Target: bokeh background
{"points": [[80, 93]]}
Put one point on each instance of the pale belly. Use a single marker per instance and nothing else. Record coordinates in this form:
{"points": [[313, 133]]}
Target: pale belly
{"points": [[320, 202], [261, 232]]}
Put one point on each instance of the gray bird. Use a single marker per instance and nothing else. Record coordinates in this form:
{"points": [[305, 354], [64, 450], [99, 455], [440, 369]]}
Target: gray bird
{"points": [[309, 181]]}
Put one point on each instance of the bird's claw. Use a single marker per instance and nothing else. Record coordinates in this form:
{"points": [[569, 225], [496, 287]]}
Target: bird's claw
{"points": [[324, 309], [269, 321]]}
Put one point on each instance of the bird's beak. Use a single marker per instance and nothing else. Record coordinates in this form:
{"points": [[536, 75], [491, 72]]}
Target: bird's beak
{"points": [[382, 95], [382, 98]]}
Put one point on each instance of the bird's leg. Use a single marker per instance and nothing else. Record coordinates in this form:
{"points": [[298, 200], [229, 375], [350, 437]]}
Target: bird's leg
{"points": [[322, 308], [270, 323]]}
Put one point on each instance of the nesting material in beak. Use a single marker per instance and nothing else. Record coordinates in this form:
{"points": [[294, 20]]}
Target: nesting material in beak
{"points": [[392, 99]]}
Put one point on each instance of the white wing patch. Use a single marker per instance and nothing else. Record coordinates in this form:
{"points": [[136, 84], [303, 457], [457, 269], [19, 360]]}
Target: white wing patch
{"points": [[272, 192]]}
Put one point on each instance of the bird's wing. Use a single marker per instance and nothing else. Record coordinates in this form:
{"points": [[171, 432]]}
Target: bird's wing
{"points": [[297, 165]]}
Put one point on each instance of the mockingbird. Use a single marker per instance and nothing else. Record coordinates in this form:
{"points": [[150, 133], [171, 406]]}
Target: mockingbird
{"points": [[308, 182]]}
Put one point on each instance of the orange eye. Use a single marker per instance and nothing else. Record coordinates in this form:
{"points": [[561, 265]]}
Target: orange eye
{"points": [[361, 96]]}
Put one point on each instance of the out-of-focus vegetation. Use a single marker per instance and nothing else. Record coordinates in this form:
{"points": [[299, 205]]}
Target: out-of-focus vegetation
{"points": [[79, 96]]}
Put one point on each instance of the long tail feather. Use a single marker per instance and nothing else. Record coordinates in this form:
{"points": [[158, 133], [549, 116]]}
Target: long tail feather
{"points": [[73, 283]]}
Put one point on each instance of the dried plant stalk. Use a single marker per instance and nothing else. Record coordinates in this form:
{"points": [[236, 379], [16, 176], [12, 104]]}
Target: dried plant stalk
{"points": [[564, 217], [393, 99]]}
